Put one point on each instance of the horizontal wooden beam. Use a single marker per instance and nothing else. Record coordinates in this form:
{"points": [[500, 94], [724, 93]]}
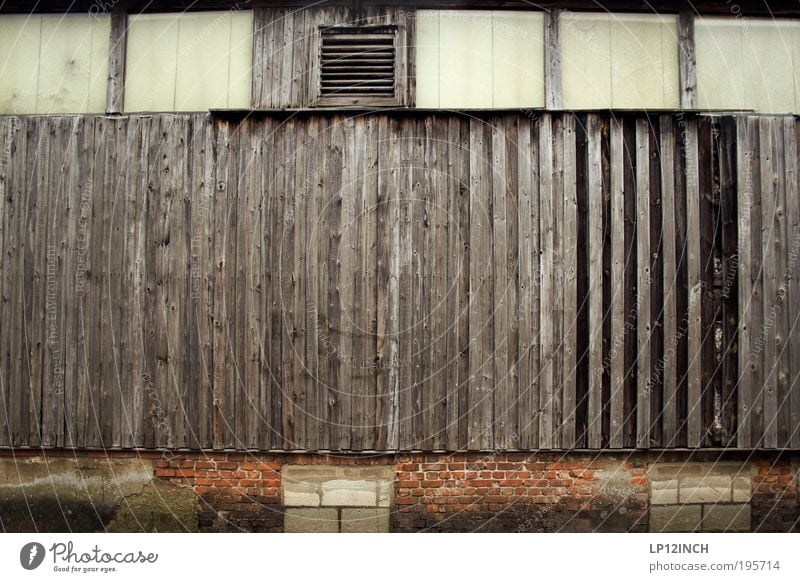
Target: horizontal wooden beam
{"points": [[716, 7]]}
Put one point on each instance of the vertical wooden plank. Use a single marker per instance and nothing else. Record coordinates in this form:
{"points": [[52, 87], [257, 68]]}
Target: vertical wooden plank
{"points": [[311, 273], [14, 276], [260, 57], [793, 296], [552, 60], [694, 287], [546, 279], [782, 249], [509, 126], [557, 307], [285, 180], [115, 94], [347, 273], [220, 346], [299, 197], [396, 211], [9, 129], [386, 225], [730, 277], [524, 404], [250, 164], [710, 231], [369, 268], [359, 335], [569, 250], [670, 374], [481, 375], [644, 324], [502, 395], [119, 382], [405, 284], [769, 264], [617, 314], [656, 261], [595, 254], [744, 162], [335, 217], [687, 62], [38, 259], [458, 266], [420, 301]]}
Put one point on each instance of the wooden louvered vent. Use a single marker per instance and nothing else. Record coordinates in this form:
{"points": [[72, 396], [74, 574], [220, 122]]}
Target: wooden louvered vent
{"points": [[358, 64]]}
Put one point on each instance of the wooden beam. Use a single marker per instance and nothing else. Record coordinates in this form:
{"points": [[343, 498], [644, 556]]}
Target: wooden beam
{"points": [[552, 61], [687, 61], [115, 95]]}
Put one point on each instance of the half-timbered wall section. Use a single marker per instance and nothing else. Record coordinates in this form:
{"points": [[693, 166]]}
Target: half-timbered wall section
{"points": [[399, 281]]}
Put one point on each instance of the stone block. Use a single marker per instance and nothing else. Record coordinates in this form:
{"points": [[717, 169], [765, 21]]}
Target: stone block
{"points": [[300, 494], [311, 520], [742, 489], [664, 492], [365, 520], [349, 493], [707, 489], [675, 518], [385, 490], [726, 518]]}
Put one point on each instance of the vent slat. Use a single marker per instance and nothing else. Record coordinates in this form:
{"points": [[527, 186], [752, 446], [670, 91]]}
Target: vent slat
{"points": [[355, 63]]}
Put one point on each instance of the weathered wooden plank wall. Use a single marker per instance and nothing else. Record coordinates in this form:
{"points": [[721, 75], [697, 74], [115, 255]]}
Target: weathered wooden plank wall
{"points": [[399, 281]]}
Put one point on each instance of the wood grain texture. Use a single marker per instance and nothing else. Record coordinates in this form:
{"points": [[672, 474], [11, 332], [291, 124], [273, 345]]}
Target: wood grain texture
{"points": [[396, 281]]}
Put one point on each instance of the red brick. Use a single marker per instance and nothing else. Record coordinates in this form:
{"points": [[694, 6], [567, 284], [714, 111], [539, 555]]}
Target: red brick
{"points": [[165, 472], [184, 473], [267, 467], [205, 465], [408, 484]]}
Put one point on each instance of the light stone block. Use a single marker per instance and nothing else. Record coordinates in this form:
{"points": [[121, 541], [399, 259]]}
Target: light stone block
{"points": [[664, 492], [300, 494], [365, 520], [726, 518], [708, 489], [311, 521], [742, 489], [349, 493], [385, 493], [675, 518]]}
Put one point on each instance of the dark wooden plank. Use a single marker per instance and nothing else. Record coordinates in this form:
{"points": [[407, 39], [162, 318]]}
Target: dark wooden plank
{"points": [[643, 285], [730, 278], [335, 218], [557, 307], [313, 185], [419, 298], [512, 285], [790, 151], [285, 180], [10, 131]]}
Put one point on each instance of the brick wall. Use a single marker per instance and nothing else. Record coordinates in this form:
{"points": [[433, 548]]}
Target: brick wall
{"points": [[775, 496], [519, 492], [507, 492]]}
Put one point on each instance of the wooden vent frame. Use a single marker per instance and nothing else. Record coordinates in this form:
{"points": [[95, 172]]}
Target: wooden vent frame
{"points": [[360, 66]]}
